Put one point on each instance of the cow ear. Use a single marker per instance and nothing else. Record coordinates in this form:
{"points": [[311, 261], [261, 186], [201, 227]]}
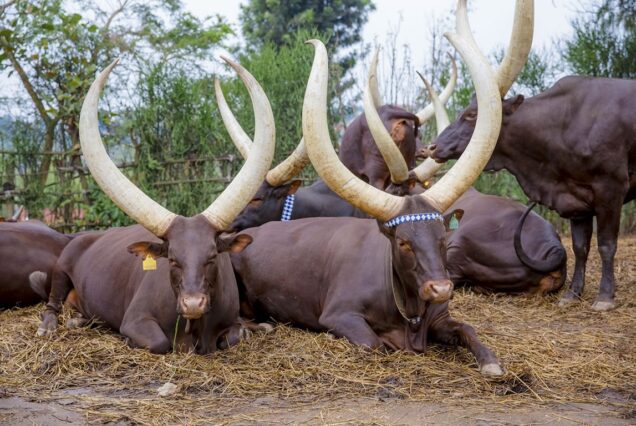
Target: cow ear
{"points": [[451, 220], [511, 105], [233, 242], [293, 186], [144, 248]]}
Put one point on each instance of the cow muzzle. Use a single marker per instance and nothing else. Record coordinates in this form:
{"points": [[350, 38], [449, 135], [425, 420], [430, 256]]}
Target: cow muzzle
{"points": [[436, 291], [193, 306]]}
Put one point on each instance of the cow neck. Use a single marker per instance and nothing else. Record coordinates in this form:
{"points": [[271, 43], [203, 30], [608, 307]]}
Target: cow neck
{"points": [[399, 293]]}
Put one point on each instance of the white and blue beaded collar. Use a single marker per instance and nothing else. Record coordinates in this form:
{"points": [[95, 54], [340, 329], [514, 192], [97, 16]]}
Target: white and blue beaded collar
{"points": [[288, 208], [415, 217]]}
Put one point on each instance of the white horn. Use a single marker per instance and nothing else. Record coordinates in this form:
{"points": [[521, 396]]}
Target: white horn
{"points": [[234, 129], [383, 140], [425, 114], [518, 47], [280, 174], [429, 167], [315, 128], [466, 170], [122, 191], [241, 190]]}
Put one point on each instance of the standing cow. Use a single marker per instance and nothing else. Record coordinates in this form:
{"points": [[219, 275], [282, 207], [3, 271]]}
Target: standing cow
{"points": [[573, 149], [186, 257]]}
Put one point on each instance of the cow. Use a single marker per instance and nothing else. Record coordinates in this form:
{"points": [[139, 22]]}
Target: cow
{"points": [[188, 273], [358, 149], [379, 282], [482, 252], [29, 251], [572, 148]]}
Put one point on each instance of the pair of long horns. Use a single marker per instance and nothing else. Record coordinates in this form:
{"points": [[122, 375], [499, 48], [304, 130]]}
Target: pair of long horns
{"points": [[511, 65], [145, 210], [454, 183], [280, 174]]}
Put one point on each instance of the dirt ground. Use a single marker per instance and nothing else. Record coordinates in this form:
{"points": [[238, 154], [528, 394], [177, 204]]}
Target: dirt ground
{"points": [[571, 366]]}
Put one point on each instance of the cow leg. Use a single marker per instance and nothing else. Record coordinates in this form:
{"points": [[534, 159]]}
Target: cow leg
{"points": [[581, 235], [61, 285], [145, 333], [353, 327], [454, 333], [608, 224], [72, 304]]}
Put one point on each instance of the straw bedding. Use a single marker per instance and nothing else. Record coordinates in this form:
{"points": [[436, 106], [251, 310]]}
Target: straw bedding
{"points": [[550, 355]]}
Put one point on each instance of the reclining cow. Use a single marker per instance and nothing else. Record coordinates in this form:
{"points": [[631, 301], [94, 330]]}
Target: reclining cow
{"points": [[192, 268], [358, 149], [379, 283], [573, 149], [28, 251]]}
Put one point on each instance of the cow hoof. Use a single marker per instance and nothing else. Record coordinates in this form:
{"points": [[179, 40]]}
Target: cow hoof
{"points": [[491, 370], [245, 334], [46, 327], [265, 327], [76, 322], [566, 302], [603, 306]]}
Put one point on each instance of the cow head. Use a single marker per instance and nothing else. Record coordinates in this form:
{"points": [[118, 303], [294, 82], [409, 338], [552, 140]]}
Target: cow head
{"points": [[191, 244], [452, 142], [266, 206], [413, 223], [193, 273]]}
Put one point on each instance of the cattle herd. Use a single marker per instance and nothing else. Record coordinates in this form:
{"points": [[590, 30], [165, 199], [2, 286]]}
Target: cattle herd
{"points": [[371, 251]]}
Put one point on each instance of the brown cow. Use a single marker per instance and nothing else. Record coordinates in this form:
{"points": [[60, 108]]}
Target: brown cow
{"points": [[351, 276], [573, 149], [482, 252], [193, 276], [28, 251]]}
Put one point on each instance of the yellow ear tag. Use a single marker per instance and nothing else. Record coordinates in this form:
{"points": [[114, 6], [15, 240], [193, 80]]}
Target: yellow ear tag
{"points": [[149, 263]]}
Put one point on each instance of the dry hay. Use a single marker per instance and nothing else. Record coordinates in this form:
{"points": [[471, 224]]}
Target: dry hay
{"points": [[551, 355]]}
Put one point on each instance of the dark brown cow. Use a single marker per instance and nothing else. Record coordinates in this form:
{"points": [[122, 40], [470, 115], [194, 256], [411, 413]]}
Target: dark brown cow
{"points": [[481, 251], [336, 275], [573, 149], [28, 251], [193, 274], [325, 264], [360, 154]]}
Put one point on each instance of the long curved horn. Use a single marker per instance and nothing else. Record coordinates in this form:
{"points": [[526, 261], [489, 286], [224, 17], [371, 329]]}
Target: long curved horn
{"points": [[243, 187], [371, 200], [518, 47], [383, 140], [122, 191], [459, 178], [242, 142], [427, 112], [429, 167], [280, 174], [373, 80]]}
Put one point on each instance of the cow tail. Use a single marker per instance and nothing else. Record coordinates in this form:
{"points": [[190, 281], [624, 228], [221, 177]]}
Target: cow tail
{"points": [[553, 263]]}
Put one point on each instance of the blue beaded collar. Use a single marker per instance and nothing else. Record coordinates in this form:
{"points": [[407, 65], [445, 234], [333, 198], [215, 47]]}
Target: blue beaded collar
{"points": [[288, 207], [416, 217]]}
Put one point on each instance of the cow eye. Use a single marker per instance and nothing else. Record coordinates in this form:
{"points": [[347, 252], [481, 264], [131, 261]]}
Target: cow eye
{"points": [[211, 259], [470, 116], [404, 245]]}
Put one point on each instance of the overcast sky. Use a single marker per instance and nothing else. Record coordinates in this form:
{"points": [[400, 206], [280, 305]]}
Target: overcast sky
{"points": [[491, 20]]}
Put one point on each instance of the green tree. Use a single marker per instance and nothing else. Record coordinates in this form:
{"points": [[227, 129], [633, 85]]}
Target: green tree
{"points": [[276, 22], [604, 40], [55, 52]]}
